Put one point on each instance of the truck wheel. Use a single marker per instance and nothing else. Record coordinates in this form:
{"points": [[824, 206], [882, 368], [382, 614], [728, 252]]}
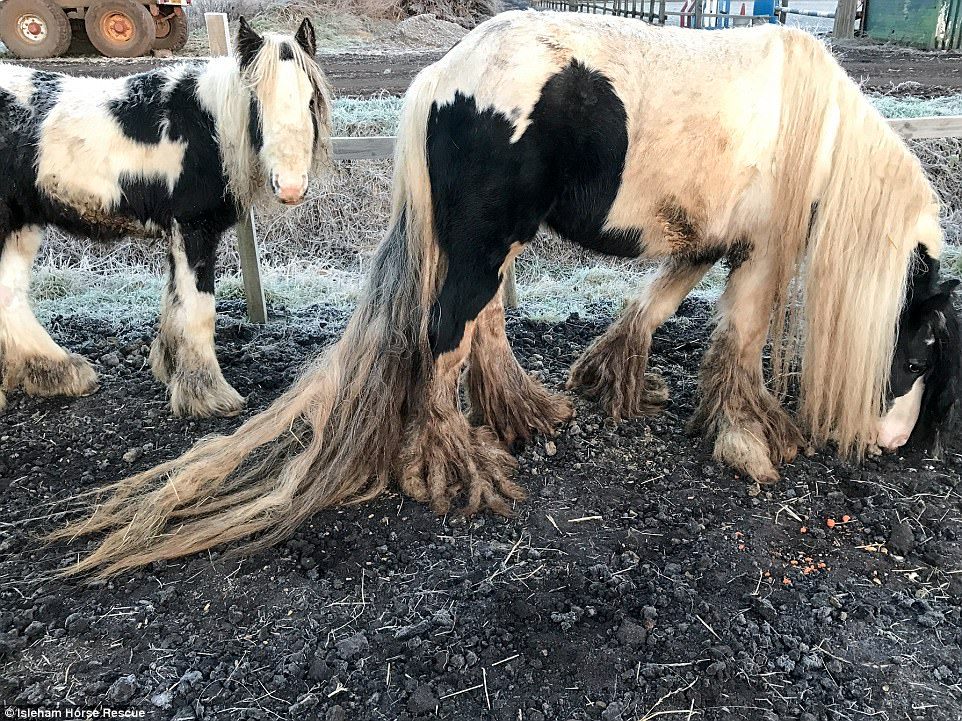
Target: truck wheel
{"points": [[120, 28], [171, 31], [34, 28]]}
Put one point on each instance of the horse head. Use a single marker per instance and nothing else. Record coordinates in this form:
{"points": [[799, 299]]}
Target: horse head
{"points": [[926, 378], [290, 111]]}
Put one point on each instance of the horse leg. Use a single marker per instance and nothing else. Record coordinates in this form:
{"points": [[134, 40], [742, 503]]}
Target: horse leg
{"points": [[29, 357], [752, 431], [613, 370], [182, 355], [503, 396], [443, 455]]}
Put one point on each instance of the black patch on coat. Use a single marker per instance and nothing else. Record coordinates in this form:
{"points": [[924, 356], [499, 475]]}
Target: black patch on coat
{"points": [[581, 127], [17, 129], [141, 112], [489, 193], [201, 246], [46, 93], [285, 51], [147, 201]]}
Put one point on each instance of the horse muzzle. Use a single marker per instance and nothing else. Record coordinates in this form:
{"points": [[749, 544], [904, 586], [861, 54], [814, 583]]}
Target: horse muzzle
{"points": [[289, 188], [895, 428]]}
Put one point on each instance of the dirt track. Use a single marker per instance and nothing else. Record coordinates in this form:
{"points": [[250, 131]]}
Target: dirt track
{"points": [[352, 74], [881, 69], [639, 577]]}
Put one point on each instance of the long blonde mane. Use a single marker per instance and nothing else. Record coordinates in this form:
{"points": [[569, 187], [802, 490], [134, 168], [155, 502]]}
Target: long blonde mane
{"points": [[851, 205]]}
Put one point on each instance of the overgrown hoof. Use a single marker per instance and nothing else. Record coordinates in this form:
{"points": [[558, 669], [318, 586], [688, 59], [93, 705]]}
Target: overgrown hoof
{"points": [[766, 437], [446, 458], [745, 451], [614, 373], [518, 409], [201, 393], [67, 375]]}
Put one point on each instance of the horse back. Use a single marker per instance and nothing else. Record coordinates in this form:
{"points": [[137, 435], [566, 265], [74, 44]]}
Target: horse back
{"points": [[652, 135]]}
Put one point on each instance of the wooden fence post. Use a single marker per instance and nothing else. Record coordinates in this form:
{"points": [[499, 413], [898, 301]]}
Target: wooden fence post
{"points": [[219, 40], [509, 289], [844, 26]]}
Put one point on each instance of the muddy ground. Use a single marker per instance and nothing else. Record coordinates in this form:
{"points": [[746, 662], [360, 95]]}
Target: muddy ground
{"points": [[879, 68], [352, 74], [640, 579]]}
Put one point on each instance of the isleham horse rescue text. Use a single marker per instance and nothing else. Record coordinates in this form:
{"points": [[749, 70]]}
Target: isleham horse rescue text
{"points": [[178, 153], [689, 146]]}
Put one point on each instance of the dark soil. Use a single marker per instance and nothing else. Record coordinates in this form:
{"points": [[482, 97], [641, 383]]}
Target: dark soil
{"points": [[351, 74], [893, 70], [639, 578], [883, 69]]}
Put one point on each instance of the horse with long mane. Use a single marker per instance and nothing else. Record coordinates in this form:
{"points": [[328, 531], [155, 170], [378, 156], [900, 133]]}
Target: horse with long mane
{"points": [[749, 144], [178, 153]]}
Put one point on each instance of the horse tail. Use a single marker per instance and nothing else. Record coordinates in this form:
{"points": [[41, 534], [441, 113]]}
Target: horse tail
{"points": [[331, 439], [852, 204]]}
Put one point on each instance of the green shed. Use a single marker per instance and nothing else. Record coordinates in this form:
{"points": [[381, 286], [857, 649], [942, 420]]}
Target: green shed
{"points": [[932, 24]]}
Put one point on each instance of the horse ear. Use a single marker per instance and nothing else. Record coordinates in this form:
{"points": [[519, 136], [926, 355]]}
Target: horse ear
{"points": [[249, 43], [306, 37]]}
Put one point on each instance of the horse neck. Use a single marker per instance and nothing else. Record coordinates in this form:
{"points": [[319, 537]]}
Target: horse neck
{"points": [[228, 99]]}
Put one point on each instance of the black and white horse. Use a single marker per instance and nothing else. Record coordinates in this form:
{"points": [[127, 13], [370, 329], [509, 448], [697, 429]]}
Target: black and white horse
{"points": [[687, 146], [925, 386], [176, 153]]}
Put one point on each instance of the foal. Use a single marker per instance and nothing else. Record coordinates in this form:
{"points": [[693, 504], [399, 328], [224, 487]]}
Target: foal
{"points": [[176, 153]]}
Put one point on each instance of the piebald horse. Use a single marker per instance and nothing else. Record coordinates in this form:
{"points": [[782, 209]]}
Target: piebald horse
{"points": [[177, 153], [687, 146]]}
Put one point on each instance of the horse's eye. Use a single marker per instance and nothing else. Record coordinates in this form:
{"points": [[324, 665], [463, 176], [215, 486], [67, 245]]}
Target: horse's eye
{"points": [[915, 369]]}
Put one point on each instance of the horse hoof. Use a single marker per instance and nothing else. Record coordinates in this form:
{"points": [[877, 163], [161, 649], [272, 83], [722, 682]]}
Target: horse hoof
{"points": [[448, 458], [746, 452], [69, 375], [199, 394], [611, 379]]}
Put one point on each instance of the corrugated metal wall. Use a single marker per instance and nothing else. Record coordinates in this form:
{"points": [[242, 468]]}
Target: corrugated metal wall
{"points": [[922, 23]]}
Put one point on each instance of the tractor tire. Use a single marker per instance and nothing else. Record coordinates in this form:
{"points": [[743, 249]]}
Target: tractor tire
{"points": [[171, 31], [120, 28], [34, 28]]}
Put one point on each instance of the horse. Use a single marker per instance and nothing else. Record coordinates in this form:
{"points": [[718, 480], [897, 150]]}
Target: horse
{"points": [[687, 146], [925, 383], [177, 153]]}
